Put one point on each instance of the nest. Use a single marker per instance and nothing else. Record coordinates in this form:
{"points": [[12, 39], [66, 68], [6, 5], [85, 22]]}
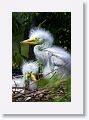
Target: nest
{"points": [[44, 94], [38, 95]]}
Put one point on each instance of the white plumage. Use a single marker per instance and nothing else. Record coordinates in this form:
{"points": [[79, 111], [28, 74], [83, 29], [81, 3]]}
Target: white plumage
{"points": [[27, 67], [30, 67], [54, 58], [43, 35]]}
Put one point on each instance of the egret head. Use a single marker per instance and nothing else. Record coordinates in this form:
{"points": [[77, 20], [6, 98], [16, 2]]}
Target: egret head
{"points": [[29, 67], [29, 70], [39, 36]]}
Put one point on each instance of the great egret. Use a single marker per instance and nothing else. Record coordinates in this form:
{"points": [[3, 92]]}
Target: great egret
{"points": [[53, 58], [29, 70]]}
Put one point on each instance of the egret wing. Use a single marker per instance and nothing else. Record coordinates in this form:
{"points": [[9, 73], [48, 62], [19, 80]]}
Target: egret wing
{"points": [[59, 56]]}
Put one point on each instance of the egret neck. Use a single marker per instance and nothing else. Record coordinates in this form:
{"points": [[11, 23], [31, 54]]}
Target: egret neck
{"points": [[39, 51]]}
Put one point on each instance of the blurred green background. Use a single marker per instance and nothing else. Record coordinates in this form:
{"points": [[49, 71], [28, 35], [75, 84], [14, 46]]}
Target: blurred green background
{"points": [[58, 23]]}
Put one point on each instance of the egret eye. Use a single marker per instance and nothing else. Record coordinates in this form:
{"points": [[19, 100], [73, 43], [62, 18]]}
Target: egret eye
{"points": [[37, 39]]}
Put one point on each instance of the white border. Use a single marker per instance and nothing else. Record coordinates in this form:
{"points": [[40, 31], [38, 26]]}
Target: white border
{"points": [[76, 104]]}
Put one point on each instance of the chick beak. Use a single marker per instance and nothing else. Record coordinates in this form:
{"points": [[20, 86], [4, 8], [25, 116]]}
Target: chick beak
{"points": [[28, 41], [32, 41], [33, 77]]}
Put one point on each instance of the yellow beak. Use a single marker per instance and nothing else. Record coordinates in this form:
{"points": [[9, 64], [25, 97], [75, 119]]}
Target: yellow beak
{"points": [[30, 75], [29, 41], [33, 77]]}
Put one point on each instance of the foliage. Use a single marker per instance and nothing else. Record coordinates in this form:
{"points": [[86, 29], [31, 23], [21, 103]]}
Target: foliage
{"points": [[58, 23], [60, 87]]}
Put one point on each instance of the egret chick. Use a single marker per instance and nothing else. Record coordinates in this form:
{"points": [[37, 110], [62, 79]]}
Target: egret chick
{"points": [[53, 58], [29, 70]]}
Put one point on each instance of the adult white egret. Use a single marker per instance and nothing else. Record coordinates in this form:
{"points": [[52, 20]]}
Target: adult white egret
{"points": [[52, 57]]}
